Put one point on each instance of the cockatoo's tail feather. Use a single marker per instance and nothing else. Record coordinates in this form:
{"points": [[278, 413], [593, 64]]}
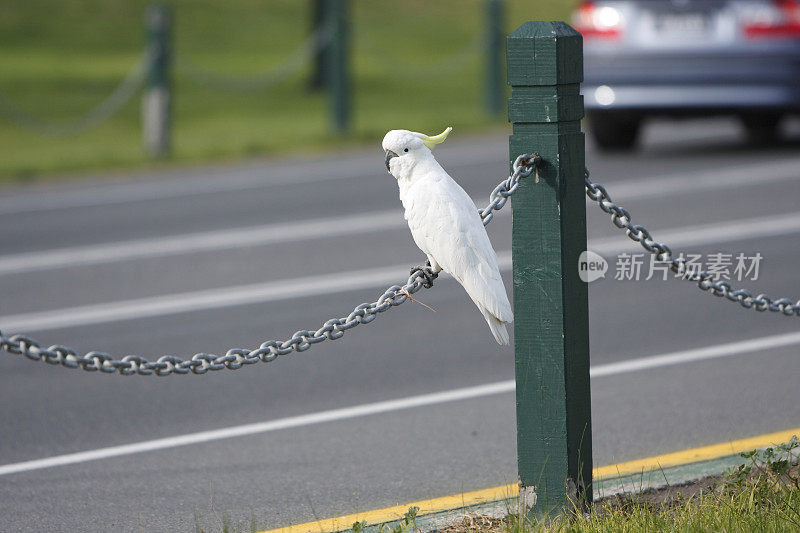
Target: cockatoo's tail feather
{"points": [[445, 224], [498, 328]]}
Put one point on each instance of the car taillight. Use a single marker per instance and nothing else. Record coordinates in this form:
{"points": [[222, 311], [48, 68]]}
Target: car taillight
{"points": [[778, 20], [598, 22]]}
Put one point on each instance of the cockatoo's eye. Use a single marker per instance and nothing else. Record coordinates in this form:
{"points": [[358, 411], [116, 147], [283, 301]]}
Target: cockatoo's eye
{"points": [[405, 149]]}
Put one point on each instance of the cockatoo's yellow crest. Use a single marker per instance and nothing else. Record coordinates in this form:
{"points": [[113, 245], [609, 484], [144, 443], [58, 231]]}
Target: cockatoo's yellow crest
{"points": [[430, 142]]}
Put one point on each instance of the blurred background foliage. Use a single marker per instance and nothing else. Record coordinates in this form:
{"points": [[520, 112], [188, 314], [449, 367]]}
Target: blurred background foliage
{"points": [[411, 64]]}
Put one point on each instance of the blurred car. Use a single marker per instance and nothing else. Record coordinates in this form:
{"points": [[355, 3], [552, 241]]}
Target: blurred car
{"points": [[673, 58]]}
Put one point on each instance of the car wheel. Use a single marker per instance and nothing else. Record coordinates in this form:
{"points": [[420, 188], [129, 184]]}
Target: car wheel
{"points": [[762, 128], [612, 132]]}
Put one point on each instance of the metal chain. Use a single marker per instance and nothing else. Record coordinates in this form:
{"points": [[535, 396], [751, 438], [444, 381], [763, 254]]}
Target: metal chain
{"points": [[107, 108], [447, 66], [260, 81], [621, 218], [270, 350], [522, 168]]}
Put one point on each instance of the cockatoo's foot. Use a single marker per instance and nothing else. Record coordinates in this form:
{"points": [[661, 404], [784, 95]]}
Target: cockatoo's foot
{"points": [[427, 273], [408, 295]]}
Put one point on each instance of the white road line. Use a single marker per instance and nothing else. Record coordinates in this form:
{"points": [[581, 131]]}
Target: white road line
{"points": [[322, 228], [198, 182], [222, 297], [716, 233], [225, 181], [353, 224], [298, 231], [373, 278], [691, 181], [263, 176], [698, 354], [263, 427], [757, 345]]}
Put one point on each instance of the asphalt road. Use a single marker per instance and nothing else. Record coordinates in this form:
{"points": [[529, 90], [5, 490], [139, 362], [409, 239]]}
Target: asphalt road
{"points": [[207, 259]]}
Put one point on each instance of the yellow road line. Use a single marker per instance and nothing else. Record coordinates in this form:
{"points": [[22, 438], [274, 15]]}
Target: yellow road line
{"points": [[502, 492], [695, 455], [393, 513]]}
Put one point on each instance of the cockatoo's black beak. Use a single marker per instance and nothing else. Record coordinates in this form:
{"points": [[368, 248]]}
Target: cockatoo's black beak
{"points": [[389, 156]]}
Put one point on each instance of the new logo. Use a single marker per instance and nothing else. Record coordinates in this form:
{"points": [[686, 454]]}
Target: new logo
{"points": [[591, 266]]}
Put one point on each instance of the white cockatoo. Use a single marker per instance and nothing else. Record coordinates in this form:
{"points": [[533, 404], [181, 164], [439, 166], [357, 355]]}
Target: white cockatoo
{"points": [[445, 224]]}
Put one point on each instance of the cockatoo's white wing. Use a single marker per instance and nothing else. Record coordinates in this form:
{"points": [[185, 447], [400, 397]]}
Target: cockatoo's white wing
{"points": [[445, 224]]}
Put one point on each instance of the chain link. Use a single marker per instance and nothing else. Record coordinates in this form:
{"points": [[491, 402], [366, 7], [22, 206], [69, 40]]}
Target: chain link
{"points": [[522, 168], [107, 108], [621, 218], [261, 81], [236, 358]]}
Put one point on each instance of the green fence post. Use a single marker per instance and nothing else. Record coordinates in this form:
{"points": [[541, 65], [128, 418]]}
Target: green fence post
{"points": [[318, 77], [156, 100], [551, 328], [494, 56], [338, 69]]}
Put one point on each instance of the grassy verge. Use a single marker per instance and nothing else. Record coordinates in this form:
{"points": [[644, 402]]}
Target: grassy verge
{"points": [[59, 59], [763, 494]]}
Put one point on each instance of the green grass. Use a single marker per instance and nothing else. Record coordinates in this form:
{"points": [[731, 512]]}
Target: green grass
{"points": [[758, 505], [762, 495], [59, 59]]}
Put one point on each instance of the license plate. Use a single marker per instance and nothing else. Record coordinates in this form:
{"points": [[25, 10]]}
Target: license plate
{"points": [[681, 23]]}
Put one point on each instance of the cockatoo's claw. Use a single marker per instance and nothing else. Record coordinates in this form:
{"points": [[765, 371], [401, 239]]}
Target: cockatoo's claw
{"points": [[427, 273]]}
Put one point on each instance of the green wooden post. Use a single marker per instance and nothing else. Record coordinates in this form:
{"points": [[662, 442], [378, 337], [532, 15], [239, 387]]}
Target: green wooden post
{"points": [[318, 76], [494, 56], [551, 328], [156, 99], [338, 69]]}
